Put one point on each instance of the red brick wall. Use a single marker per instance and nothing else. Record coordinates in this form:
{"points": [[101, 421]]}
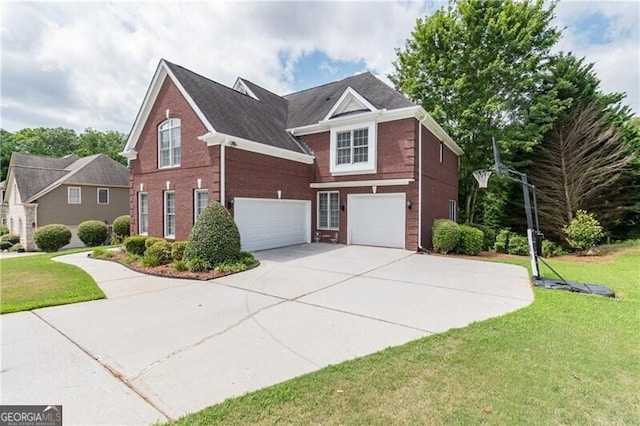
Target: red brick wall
{"points": [[198, 161], [249, 174], [395, 147], [439, 183]]}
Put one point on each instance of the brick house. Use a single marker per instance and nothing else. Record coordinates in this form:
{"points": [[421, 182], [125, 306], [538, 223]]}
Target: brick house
{"points": [[352, 160]]}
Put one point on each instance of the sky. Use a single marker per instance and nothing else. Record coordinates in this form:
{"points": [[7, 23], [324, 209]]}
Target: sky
{"points": [[81, 65]]}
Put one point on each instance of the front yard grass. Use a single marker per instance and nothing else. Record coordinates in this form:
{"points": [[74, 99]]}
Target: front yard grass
{"points": [[37, 281], [565, 359]]}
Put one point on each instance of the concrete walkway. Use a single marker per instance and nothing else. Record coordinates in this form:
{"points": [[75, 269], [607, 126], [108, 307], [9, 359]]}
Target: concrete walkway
{"points": [[161, 348]]}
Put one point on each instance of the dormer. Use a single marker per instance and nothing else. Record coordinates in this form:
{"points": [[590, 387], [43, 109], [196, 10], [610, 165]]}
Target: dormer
{"points": [[242, 87], [350, 102]]}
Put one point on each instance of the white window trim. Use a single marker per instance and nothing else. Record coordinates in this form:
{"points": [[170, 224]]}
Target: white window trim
{"points": [[171, 159], [357, 168], [328, 228], [164, 214], [441, 152], [195, 201], [98, 196], [69, 194], [453, 210], [140, 194]]}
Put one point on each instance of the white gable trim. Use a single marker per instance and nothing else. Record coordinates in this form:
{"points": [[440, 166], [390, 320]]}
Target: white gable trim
{"points": [[241, 86], [147, 104], [215, 138], [348, 97]]}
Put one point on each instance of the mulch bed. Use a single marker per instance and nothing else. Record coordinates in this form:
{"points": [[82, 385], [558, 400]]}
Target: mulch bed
{"points": [[166, 271]]}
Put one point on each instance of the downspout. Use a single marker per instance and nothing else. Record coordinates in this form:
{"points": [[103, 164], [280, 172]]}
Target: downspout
{"points": [[222, 173], [420, 248]]}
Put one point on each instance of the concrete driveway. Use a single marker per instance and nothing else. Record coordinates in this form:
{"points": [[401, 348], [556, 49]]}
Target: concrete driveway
{"points": [[160, 348]]}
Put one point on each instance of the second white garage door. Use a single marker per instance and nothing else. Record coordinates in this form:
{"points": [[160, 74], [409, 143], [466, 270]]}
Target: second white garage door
{"points": [[267, 223], [376, 220]]}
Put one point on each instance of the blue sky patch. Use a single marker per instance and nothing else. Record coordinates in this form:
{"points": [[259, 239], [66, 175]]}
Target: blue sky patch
{"points": [[317, 68], [593, 27]]}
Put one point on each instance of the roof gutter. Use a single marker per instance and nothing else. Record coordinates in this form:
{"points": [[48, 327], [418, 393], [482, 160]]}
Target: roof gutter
{"points": [[217, 138]]}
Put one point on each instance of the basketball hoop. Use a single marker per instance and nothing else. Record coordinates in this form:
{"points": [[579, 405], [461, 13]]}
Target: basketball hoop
{"points": [[482, 176]]}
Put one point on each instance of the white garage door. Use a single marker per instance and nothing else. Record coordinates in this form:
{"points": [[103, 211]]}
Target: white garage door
{"points": [[267, 223], [376, 220]]}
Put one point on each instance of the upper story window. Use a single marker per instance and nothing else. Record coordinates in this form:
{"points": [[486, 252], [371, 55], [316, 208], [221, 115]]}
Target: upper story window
{"points": [[353, 149], [74, 195], [169, 152]]}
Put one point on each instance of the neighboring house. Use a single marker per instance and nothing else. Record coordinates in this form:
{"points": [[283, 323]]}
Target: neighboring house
{"points": [[43, 190], [353, 160]]}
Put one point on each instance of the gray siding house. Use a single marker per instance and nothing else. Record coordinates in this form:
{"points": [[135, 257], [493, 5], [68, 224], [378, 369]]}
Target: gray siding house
{"points": [[42, 190]]}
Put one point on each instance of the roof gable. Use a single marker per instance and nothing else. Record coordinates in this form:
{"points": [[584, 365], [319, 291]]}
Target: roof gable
{"points": [[36, 175], [350, 102]]}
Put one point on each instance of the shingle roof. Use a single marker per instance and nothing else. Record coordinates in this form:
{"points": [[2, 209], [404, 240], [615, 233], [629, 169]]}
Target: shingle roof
{"points": [[312, 105], [266, 119], [235, 113], [34, 174]]}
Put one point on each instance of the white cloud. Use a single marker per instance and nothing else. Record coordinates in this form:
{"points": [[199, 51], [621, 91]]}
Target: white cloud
{"points": [[89, 64]]}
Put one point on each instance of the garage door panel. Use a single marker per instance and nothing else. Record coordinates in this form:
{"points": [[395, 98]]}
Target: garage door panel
{"points": [[266, 223], [377, 220]]}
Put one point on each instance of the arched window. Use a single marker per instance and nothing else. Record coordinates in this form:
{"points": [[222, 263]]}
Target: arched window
{"points": [[169, 153]]}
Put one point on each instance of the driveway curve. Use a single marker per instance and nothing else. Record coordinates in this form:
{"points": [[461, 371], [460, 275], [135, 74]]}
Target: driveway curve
{"points": [[170, 346]]}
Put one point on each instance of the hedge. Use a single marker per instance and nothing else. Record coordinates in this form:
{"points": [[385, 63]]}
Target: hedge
{"points": [[470, 240], [445, 235], [135, 245], [52, 238], [122, 225], [93, 233]]}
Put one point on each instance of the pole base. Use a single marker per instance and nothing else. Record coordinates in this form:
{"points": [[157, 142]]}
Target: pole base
{"points": [[575, 287]]}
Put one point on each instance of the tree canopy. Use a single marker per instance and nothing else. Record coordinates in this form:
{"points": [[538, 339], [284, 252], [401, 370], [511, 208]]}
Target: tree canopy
{"points": [[483, 69]]}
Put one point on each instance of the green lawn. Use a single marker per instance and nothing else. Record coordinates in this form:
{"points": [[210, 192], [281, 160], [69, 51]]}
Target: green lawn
{"points": [[565, 359], [36, 281]]}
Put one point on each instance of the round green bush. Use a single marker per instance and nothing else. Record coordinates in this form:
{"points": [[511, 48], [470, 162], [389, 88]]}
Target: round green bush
{"points": [[4, 230], [470, 241], [121, 225], [151, 241], [52, 238], [518, 245], [135, 245], [489, 236], [445, 235], [9, 240], [177, 249], [584, 231], [214, 238], [551, 249], [93, 233], [161, 250]]}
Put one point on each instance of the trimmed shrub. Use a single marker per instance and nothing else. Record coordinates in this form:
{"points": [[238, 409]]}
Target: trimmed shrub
{"points": [[198, 265], [135, 245], [121, 226], [551, 249], [93, 233], [518, 245], [161, 250], [52, 238], [214, 238], [584, 231], [151, 241], [9, 240], [489, 236], [502, 241], [445, 235], [177, 249], [470, 240], [4, 230]]}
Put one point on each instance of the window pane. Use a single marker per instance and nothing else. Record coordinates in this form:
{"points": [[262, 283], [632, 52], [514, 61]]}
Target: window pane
{"points": [[361, 154], [202, 200], [73, 195], [360, 137], [176, 156], [343, 155], [334, 210], [164, 139], [343, 139], [143, 207], [170, 213], [171, 208], [323, 214], [103, 196], [175, 137]]}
